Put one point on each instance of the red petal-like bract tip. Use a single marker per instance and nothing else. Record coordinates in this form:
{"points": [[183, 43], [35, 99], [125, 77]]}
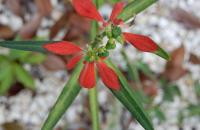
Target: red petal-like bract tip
{"points": [[141, 42], [86, 8], [87, 77], [72, 63], [63, 48], [118, 7], [108, 76]]}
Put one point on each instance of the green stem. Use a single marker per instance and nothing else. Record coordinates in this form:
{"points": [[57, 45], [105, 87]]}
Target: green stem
{"points": [[93, 92], [93, 32], [94, 108]]}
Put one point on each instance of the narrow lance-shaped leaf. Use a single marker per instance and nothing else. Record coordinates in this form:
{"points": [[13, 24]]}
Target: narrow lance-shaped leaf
{"points": [[24, 77], [129, 99], [6, 78], [135, 7], [67, 96], [162, 53], [36, 46]]}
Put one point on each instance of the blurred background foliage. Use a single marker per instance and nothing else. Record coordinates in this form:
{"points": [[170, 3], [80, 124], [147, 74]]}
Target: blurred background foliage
{"points": [[13, 72]]}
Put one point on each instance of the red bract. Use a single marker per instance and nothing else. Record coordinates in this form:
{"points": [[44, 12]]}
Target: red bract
{"points": [[108, 76], [142, 43], [63, 48], [118, 7], [66, 48], [74, 61], [87, 77], [87, 9]]}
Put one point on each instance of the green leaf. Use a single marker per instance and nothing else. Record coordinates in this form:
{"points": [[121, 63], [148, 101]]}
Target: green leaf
{"points": [[162, 53], [135, 7], [6, 79], [130, 100], [2, 59], [17, 54], [36, 46], [67, 96], [24, 77], [26, 56]]}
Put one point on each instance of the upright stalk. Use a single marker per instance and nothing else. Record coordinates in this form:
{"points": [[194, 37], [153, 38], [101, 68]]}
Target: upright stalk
{"points": [[94, 107]]}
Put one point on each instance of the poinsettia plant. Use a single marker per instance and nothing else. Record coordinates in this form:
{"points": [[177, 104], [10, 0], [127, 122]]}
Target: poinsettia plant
{"points": [[94, 58]]}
